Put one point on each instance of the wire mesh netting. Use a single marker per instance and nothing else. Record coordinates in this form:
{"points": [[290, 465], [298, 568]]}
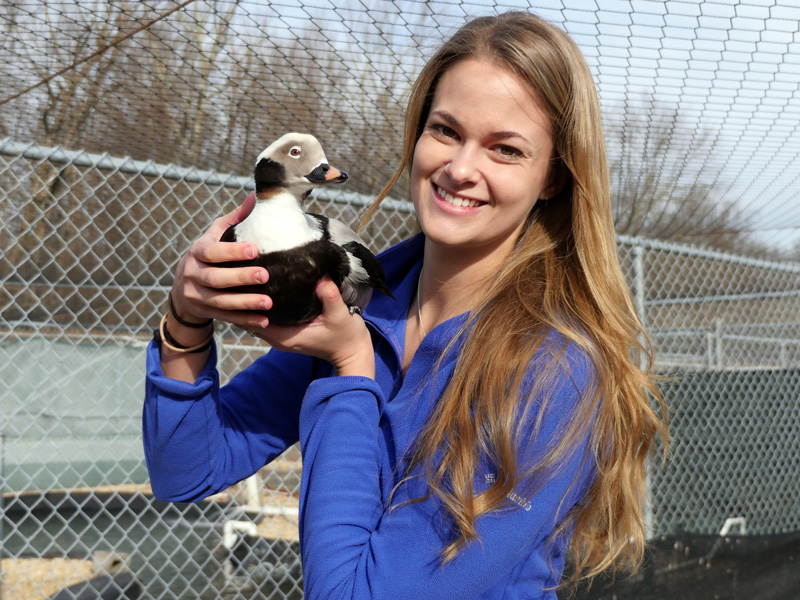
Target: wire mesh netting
{"points": [[127, 127]]}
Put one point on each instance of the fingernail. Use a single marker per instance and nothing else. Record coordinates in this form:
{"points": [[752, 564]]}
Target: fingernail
{"points": [[261, 277], [252, 252]]}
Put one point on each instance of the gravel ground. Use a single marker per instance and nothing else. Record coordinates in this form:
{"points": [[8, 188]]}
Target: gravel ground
{"points": [[39, 578]]}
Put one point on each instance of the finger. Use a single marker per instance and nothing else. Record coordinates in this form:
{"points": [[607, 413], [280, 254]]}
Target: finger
{"points": [[221, 278], [203, 268], [209, 250], [246, 320], [215, 299], [242, 310]]}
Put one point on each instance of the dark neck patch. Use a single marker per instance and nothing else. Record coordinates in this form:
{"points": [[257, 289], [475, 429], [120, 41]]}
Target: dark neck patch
{"points": [[269, 174]]}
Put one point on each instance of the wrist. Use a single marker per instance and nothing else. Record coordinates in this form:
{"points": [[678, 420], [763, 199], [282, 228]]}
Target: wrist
{"points": [[179, 360], [360, 363], [357, 368], [186, 336], [182, 320]]}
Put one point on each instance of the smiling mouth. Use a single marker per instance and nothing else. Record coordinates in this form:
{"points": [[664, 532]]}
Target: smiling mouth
{"points": [[457, 200]]}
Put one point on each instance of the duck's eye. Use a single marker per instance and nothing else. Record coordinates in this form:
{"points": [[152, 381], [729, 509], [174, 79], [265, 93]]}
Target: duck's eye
{"points": [[295, 152]]}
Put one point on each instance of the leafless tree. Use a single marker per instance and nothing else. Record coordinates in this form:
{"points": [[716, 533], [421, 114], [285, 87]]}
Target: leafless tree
{"points": [[669, 182], [666, 180], [68, 101]]}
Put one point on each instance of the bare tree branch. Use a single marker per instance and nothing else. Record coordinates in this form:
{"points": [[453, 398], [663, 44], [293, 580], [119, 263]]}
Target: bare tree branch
{"points": [[663, 183]]}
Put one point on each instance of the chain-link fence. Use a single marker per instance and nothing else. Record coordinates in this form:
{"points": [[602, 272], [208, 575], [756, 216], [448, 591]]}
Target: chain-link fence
{"points": [[124, 122], [725, 327]]}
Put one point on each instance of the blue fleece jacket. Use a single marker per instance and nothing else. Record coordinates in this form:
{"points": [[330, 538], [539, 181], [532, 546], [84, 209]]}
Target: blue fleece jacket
{"points": [[200, 438]]}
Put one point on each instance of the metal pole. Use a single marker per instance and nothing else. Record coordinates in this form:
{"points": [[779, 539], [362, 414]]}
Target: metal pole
{"points": [[638, 283], [255, 498], [718, 350], [2, 504], [709, 350], [638, 299]]}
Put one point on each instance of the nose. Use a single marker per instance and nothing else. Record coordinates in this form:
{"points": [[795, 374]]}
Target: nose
{"points": [[463, 166]]}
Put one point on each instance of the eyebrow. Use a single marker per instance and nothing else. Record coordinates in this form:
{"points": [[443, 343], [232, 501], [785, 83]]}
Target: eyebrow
{"points": [[503, 135]]}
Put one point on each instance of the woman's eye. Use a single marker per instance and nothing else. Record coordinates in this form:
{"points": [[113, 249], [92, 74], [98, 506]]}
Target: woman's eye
{"points": [[445, 131], [508, 151]]}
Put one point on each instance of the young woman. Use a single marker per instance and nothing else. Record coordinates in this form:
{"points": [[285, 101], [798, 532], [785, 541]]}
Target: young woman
{"points": [[457, 441]]}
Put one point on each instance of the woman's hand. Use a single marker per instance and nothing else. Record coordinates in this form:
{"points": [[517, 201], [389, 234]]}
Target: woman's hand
{"points": [[199, 290], [336, 336], [199, 293]]}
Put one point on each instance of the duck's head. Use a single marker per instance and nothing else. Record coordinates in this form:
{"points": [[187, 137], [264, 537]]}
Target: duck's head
{"points": [[295, 162]]}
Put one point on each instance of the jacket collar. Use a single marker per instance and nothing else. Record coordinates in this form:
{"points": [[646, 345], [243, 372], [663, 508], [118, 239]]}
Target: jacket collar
{"points": [[402, 264]]}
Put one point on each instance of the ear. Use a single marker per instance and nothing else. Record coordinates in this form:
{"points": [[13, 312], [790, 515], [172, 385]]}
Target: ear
{"points": [[556, 180]]}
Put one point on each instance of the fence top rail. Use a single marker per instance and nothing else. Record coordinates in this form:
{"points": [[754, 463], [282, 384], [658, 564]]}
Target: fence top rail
{"points": [[750, 296], [688, 250], [32, 151]]}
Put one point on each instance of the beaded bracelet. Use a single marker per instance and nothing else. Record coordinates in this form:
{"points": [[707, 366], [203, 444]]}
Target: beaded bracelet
{"points": [[183, 322], [162, 336]]}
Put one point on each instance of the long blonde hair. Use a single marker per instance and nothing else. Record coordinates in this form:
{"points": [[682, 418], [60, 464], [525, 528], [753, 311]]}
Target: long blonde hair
{"points": [[563, 276]]}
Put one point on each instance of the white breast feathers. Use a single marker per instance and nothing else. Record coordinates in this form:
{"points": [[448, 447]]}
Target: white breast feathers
{"points": [[279, 224]]}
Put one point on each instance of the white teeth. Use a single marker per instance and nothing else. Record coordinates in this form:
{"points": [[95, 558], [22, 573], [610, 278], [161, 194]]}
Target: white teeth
{"points": [[456, 200]]}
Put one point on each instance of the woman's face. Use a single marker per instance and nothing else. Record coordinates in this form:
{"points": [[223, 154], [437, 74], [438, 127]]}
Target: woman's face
{"points": [[482, 160]]}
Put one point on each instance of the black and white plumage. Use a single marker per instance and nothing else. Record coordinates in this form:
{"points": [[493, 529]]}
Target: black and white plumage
{"points": [[297, 248]]}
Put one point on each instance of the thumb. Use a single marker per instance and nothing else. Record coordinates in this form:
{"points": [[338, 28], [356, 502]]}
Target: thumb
{"points": [[237, 215], [328, 292]]}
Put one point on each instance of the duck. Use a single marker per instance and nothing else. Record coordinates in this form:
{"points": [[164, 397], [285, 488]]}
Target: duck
{"points": [[298, 248]]}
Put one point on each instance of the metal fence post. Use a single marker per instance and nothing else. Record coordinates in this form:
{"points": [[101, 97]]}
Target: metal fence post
{"points": [[2, 504], [638, 283], [709, 350], [638, 299], [719, 327]]}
